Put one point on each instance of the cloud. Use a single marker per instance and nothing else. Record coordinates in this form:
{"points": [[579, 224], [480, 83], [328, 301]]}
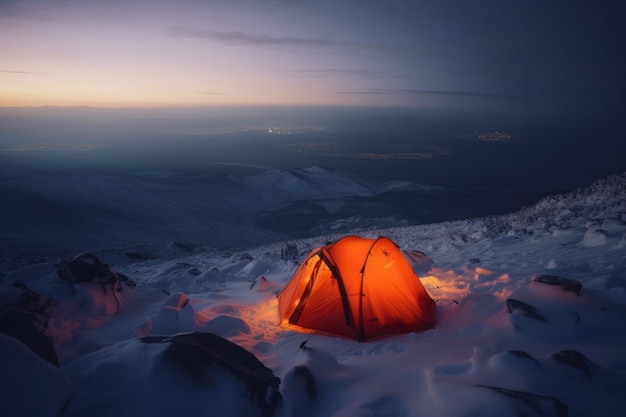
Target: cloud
{"points": [[211, 93], [266, 41], [56, 147], [328, 71], [379, 91], [331, 72], [16, 72]]}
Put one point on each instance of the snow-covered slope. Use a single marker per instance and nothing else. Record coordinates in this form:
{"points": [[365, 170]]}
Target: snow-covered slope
{"points": [[502, 345], [85, 211]]}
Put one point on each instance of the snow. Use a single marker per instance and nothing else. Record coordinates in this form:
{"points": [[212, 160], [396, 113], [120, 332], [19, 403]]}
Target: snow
{"points": [[485, 357], [87, 211]]}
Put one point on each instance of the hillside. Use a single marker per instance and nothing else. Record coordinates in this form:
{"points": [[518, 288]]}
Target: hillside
{"points": [[504, 343]]}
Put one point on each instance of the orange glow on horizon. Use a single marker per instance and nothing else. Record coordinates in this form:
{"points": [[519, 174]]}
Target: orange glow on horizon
{"points": [[149, 99]]}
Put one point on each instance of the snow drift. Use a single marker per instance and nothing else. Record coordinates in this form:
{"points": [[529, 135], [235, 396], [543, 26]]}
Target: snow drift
{"points": [[506, 342]]}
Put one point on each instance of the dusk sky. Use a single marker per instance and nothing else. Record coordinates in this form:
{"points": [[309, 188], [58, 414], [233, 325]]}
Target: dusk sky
{"points": [[553, 56]]}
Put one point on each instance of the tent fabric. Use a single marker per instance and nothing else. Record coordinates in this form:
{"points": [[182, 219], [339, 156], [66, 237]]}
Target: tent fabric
{"points": [[357, 287]]}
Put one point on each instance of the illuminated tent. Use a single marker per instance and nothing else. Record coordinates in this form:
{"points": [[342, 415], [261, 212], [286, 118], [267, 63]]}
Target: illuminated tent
{"points": [[356, 287]]}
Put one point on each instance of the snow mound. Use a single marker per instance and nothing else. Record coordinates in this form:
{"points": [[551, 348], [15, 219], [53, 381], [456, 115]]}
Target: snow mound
{"points": [[30, 386], [510, 338]]}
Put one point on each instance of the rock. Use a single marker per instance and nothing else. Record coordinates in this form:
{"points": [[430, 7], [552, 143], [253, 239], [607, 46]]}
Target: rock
{"points": [[24, 315], [25, 327], [574, 359], [566, 284], [522, 355], [32, 302], [528, 311], [310, 386], [87, 267], [195, 355], [246, 257], [289, 252], [541, 405]]}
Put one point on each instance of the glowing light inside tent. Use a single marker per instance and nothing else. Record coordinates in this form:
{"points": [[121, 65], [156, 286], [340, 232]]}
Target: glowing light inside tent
{"points": [[373, 291]]}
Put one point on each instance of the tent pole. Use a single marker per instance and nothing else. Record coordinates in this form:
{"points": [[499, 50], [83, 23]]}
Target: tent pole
{"points": [[303, 344]]}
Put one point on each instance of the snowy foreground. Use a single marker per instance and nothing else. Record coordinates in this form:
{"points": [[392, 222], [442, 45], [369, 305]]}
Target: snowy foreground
{"points": [[502, 345]]}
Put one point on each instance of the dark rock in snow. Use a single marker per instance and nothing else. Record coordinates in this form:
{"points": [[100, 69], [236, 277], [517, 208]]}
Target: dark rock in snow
{"points": [[25, 327], [31, 302], [194, 354], [523, 355], [528, 311], [194, 271], [87, 268], [574, 359], [310, 387], [515, 362], [24, 315], [566, 284], [541, 405], [246, 257], [289, 252]]}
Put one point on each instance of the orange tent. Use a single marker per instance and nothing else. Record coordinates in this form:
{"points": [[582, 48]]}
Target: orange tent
{"points": [[356, 287]]}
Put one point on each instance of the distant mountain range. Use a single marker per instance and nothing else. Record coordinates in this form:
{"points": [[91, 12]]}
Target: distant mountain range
{"points": [[68, 211]]}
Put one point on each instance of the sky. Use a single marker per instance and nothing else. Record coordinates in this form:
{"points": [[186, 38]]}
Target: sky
{"points": [[534, 56]]}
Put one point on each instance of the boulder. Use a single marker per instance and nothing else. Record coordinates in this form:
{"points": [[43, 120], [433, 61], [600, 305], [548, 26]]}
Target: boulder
{"points": [[196, 354], [310, 386], [526, 309], [24, 315], [574, 359], [566, 284], [86, 267], [520, 354], [25, 327], [529, 403]]}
